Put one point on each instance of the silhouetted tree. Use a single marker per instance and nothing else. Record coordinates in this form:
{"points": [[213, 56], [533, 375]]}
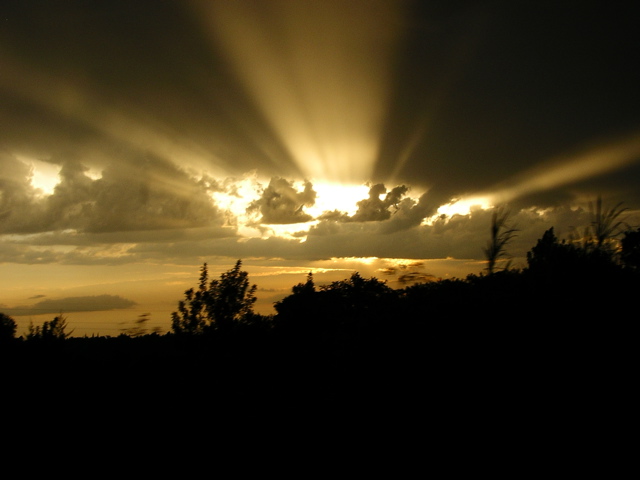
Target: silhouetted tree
{"points": [[307, 287], [550, 256], [605, 223], [603, 230], [230, 299], [8, 328], [49, 331], [630, 249], [571, 280], [216, 304], [191, 317], [338, 316], [295, 311], [560, 261], [501, 234]]}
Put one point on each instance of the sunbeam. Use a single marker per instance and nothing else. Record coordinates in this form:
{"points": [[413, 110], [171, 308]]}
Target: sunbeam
{"points": [[558, 172], [570, 169], [318, 71], [72, 100]]}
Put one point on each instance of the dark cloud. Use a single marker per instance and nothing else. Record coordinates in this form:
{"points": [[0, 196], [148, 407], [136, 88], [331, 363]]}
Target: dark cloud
{"points": [[375, 208], [122, 77], [407, 273], [282, 203], [410, 213], [93, 303], [487, 89], [17, 196]]}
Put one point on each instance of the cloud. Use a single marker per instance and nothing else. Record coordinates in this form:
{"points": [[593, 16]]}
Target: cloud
{"points": [[374, 208], [410, 213], [145, 193], [17, 196], [407, 273], [282, 203], [91, 303]]}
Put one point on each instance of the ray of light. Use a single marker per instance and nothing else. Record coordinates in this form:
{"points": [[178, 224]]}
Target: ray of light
{"points": [[318, 71], [583, 165], [70, 98]]}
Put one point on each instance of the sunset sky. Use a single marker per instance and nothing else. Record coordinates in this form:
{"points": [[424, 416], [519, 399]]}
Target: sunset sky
{"points": [[140, 139]]}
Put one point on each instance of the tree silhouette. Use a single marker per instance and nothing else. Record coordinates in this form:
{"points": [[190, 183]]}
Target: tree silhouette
{"points": [[337, 317], [216, 304], [550, 256], [8, 328], [605, 223], [230, 299], [630, 249], [568, 262], [603, 230], [50, 331], [501, 234], [191, 317]]}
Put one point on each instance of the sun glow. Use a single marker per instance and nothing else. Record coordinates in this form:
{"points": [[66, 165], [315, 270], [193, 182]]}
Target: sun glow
{"points": [[337, 196], [44, 176], [461, 206], [236, 195], [464, 206], [310, 69]]}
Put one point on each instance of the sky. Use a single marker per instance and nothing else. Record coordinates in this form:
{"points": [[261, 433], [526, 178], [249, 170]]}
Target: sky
{"points": [[139, 140]]}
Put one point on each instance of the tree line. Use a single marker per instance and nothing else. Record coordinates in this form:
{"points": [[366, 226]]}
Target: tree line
{"points": [[579, 273], [551, 345], [562, 326]]}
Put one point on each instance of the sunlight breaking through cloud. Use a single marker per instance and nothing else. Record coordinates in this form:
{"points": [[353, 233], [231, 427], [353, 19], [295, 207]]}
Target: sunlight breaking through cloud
{"points": [[310, 69], [44, 176]]}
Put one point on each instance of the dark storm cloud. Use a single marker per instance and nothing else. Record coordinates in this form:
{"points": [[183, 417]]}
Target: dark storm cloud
{"points": [[93, 303], [486, 89], [282, 203], [117, 75]]}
